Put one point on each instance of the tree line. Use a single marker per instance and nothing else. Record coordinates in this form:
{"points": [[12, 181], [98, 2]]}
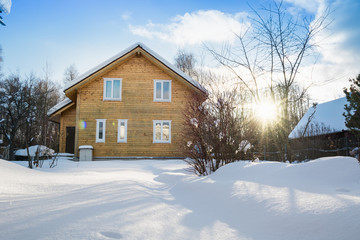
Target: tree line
{"points": [[24, 103]]}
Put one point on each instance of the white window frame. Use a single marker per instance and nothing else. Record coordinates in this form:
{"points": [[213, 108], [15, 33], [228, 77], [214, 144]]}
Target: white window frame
{"points": [[126, 127], [161, 99], [98, 140], [154, 132], [112, 91]]}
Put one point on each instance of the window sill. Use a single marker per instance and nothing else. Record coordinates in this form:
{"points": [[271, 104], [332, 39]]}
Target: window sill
{"points": [[161, 141], [112, 99], [159, 100]]}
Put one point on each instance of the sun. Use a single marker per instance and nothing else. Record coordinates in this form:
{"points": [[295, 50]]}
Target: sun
{"points": [[266, 111]]}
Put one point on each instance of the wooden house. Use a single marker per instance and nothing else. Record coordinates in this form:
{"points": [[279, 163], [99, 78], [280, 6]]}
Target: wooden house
{"points": [[128, 106]]}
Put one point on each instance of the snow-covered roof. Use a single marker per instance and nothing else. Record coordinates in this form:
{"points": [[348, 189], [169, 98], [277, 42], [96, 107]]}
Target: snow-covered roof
{"points": [[127, 50], [42, 151], [5, 6], [329, 113], [86, 147], [58, 106]]}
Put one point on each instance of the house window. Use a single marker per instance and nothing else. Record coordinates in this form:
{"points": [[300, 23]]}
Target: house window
{"points": [[162, 131], [100, 130], [162, 90], [112, 89], [122, 130]]}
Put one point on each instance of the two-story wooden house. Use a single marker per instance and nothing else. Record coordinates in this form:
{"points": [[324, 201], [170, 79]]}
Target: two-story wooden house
{"points": [[128, 106]]}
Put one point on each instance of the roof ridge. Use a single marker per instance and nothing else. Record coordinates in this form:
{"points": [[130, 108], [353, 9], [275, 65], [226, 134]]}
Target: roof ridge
{"points": [[124, 52]]}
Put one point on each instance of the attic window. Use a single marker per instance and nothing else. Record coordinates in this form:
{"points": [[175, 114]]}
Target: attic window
{"points": [[112, 89]]}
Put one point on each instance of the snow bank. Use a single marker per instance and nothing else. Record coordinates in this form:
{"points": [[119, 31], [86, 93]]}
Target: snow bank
{"points": [[16, 179], [152, 199], [323, 171]]}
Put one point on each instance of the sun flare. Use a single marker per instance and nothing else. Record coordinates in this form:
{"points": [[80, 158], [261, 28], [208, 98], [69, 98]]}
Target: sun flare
{"points": [[266, 111]]}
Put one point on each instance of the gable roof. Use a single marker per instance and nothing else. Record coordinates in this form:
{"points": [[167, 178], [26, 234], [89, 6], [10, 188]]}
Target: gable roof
{"points": [[126, 51], [329, 113], [67, 101]]}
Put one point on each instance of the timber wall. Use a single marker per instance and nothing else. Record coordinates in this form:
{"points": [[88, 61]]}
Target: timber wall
{"points": [[67, 120], [137, 105]]}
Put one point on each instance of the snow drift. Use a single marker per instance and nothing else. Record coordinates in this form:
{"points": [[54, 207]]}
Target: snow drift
{"points": [[152, 199]]}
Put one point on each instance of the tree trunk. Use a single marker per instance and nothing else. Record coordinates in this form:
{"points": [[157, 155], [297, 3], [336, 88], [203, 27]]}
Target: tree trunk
{"points": [[29, 157]]}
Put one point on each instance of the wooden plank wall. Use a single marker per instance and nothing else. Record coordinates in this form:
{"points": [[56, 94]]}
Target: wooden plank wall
{"points": [[67, 120], [137, 106]]}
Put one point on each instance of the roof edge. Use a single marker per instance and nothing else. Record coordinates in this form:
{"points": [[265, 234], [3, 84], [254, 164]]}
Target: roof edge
{"points": [[59, 106], [123, 53], [173, 68]]}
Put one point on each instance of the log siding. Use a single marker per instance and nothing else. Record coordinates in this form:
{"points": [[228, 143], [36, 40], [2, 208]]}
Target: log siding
{"points": [[137, 105]]}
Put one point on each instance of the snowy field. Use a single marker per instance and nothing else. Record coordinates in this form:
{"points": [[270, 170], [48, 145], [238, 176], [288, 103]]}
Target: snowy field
{"points": [[151, 199]]}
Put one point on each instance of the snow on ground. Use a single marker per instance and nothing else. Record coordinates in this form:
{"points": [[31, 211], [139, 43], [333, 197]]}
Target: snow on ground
{"points": [[151, 199]]}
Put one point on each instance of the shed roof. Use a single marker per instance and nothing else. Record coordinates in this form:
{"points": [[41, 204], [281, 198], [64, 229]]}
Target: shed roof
{"points": [[329, 113]]}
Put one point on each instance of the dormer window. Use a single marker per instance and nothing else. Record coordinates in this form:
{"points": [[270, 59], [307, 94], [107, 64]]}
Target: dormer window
{"points": [[112, 89], [162, 90]]}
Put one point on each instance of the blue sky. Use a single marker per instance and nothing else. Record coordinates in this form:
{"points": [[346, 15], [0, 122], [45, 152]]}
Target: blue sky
{"points": [[85, 33]]}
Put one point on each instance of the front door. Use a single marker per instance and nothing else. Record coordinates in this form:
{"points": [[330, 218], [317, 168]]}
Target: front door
{"points": [[70, 139]]}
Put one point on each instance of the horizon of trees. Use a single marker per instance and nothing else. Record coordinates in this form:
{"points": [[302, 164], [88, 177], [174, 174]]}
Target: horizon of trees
{"points": [[24, 103]]}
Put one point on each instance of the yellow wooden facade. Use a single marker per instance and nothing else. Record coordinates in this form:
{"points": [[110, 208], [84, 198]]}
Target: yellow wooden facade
{"points": [[137, 69]]}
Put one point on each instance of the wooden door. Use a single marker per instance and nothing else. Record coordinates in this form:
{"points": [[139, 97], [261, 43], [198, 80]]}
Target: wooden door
{"points": [[70, 139]]}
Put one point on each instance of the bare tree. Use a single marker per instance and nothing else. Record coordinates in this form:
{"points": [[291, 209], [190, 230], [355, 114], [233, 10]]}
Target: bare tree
{"points": [[70, 73], [48, 94], [309, 121], [1, 60], [30, 116], [269, 54], [186, 62], [14, 103], [215, 134], [24, 105]]}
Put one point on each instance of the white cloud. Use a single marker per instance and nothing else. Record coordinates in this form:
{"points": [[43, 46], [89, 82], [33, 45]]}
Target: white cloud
{"points": [[337, 47], [339, 42], [126, 15], [5, 6], [196, 27], [309, 5]]}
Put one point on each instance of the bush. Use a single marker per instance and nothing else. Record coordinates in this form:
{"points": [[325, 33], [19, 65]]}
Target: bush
{"points": [[215, 134]]}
